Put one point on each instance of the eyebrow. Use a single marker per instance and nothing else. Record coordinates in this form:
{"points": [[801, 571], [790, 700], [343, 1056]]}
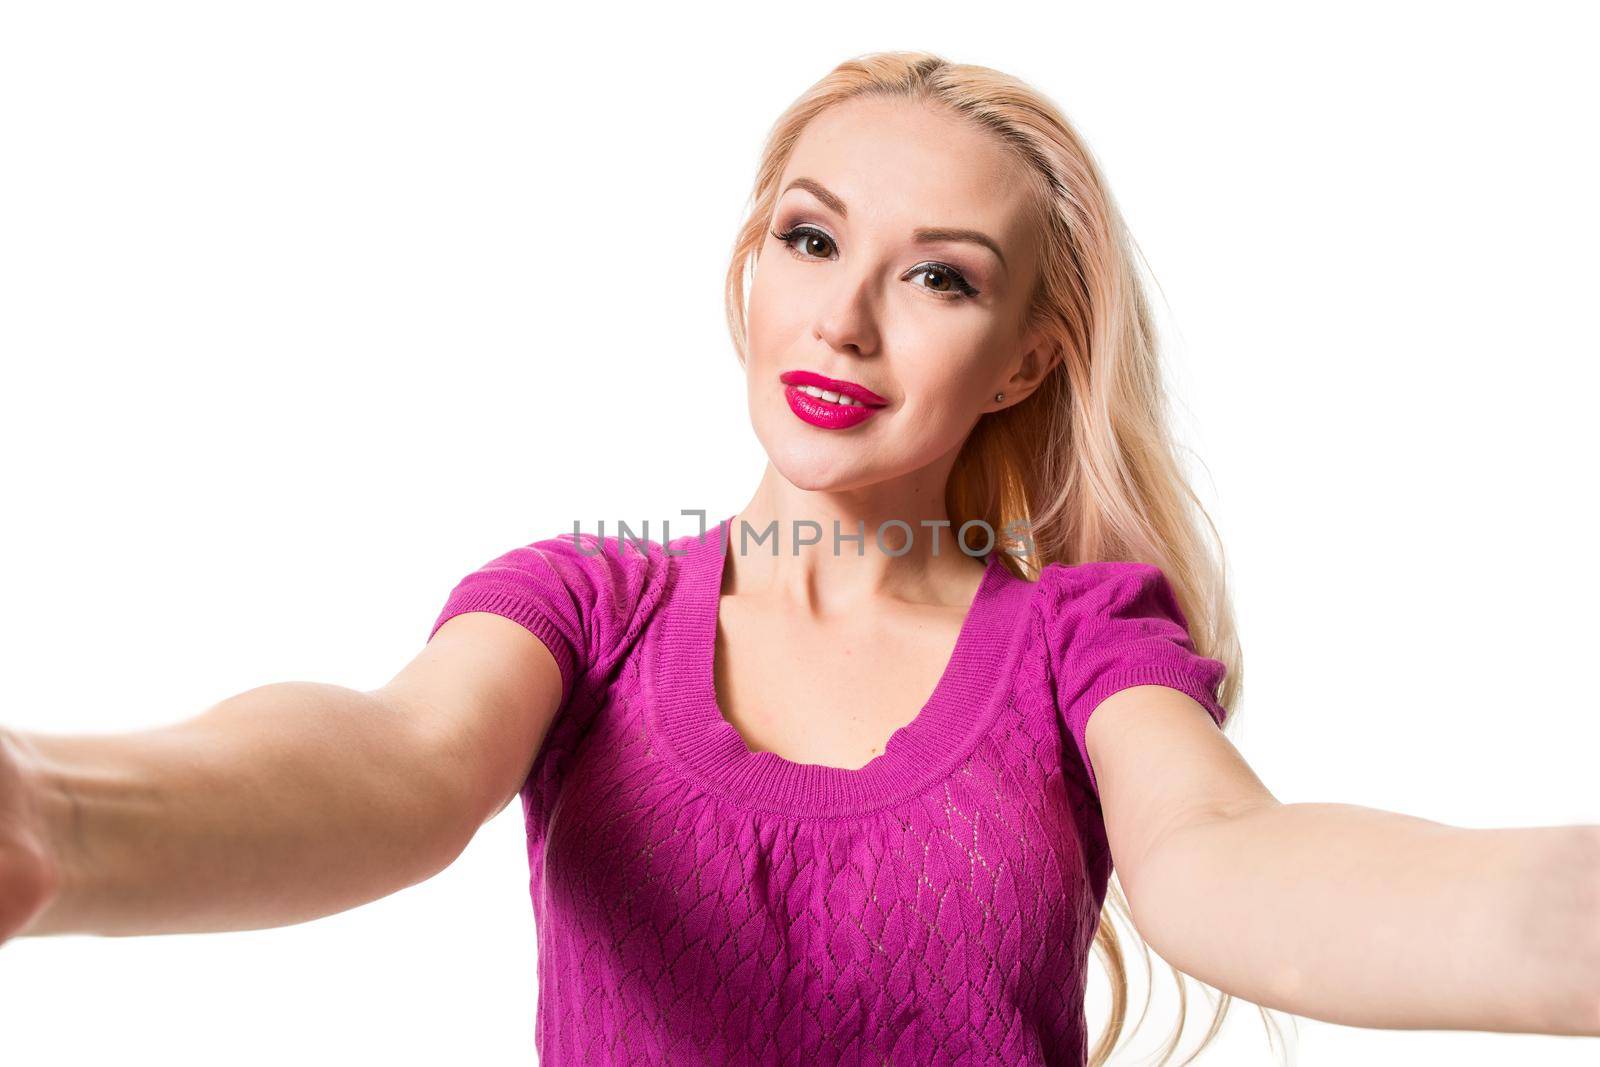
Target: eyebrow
{"points": [[925, 234]]}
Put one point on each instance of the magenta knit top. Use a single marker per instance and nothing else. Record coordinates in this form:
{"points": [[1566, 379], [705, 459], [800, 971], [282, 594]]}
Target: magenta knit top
{"points": [[699, 903]]}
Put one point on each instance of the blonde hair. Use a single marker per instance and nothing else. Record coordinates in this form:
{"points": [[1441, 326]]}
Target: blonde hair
{"points": [[1086, 462]]}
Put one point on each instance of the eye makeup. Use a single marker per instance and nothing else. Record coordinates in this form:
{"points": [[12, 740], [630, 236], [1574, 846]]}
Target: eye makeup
{"points": [[957, 286]]}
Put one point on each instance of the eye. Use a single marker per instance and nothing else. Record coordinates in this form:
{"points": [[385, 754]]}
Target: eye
{"points": [[956, 285], [812, 236], [952, 284]]}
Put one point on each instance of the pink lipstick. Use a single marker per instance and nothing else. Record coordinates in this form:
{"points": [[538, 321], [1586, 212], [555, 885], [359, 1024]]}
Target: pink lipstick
{"points": [[828, 414]]}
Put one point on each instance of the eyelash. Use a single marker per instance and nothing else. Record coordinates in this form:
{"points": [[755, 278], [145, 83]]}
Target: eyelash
{"points": [[963, 290]]}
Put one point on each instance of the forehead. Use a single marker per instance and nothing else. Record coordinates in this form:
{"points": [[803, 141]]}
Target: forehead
{"points": [[904, 163]]}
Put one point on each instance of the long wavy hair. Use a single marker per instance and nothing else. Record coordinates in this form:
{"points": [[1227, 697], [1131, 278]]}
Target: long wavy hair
{"points": [[1086, 464]]}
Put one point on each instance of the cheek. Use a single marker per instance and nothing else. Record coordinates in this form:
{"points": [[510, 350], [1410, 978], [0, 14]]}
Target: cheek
{"points": [[769, 315], [941, 373], [932, 346], [941, 405]]}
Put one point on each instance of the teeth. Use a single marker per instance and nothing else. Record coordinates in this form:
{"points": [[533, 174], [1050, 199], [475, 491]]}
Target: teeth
{"points": [[831, 397]]}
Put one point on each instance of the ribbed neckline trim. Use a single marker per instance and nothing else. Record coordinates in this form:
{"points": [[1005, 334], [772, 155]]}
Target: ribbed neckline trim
{"points": [[957, 714]]}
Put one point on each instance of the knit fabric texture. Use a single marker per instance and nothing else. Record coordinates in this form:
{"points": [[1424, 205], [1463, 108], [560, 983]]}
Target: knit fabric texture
{"points": [[699, 903]]}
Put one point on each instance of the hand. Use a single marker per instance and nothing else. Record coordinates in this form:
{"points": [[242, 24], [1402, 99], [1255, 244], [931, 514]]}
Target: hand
{"points": [[29, 874]]}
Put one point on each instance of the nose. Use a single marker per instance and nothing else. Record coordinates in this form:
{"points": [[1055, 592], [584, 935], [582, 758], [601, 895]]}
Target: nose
{"points": [[847, 320]]}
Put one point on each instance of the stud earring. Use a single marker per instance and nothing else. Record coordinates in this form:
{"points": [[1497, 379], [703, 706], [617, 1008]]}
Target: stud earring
{"points": [[999, 397]]}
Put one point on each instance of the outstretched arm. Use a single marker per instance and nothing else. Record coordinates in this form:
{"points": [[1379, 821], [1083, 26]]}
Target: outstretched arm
{"points": [[1337, 912], [279, 805]]}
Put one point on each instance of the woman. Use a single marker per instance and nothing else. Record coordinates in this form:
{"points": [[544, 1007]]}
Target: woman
{"points": [[853, 794]]}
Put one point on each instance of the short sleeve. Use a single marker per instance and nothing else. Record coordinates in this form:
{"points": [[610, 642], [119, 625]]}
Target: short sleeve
{"points": [[1113, 625], [580, 595]]}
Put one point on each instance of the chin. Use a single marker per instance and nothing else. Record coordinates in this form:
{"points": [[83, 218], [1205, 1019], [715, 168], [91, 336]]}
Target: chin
{"points": [[811, 469], [819, 466]]}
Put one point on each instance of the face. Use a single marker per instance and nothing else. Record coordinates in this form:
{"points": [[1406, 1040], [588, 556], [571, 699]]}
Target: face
{"points": [[846, 288]]}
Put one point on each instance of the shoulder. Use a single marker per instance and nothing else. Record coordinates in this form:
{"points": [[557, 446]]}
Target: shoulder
{"points": [[1111, 625], [584, 562], [585, 595], [1073, 597], [1108, 624]]}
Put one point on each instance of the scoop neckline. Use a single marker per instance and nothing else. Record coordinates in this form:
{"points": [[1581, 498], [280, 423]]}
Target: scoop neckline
{"points": [[915, 756]]}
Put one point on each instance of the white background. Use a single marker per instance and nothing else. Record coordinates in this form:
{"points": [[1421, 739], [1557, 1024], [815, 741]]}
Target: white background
{"points": [[308, 309]]}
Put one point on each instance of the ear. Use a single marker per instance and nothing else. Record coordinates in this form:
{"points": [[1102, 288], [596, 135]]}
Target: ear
{"points": [[1038, 357]]}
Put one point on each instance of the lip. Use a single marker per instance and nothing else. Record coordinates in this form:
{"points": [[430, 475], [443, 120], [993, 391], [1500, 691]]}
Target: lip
{"points": [[850, 389], [824, 414]]}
